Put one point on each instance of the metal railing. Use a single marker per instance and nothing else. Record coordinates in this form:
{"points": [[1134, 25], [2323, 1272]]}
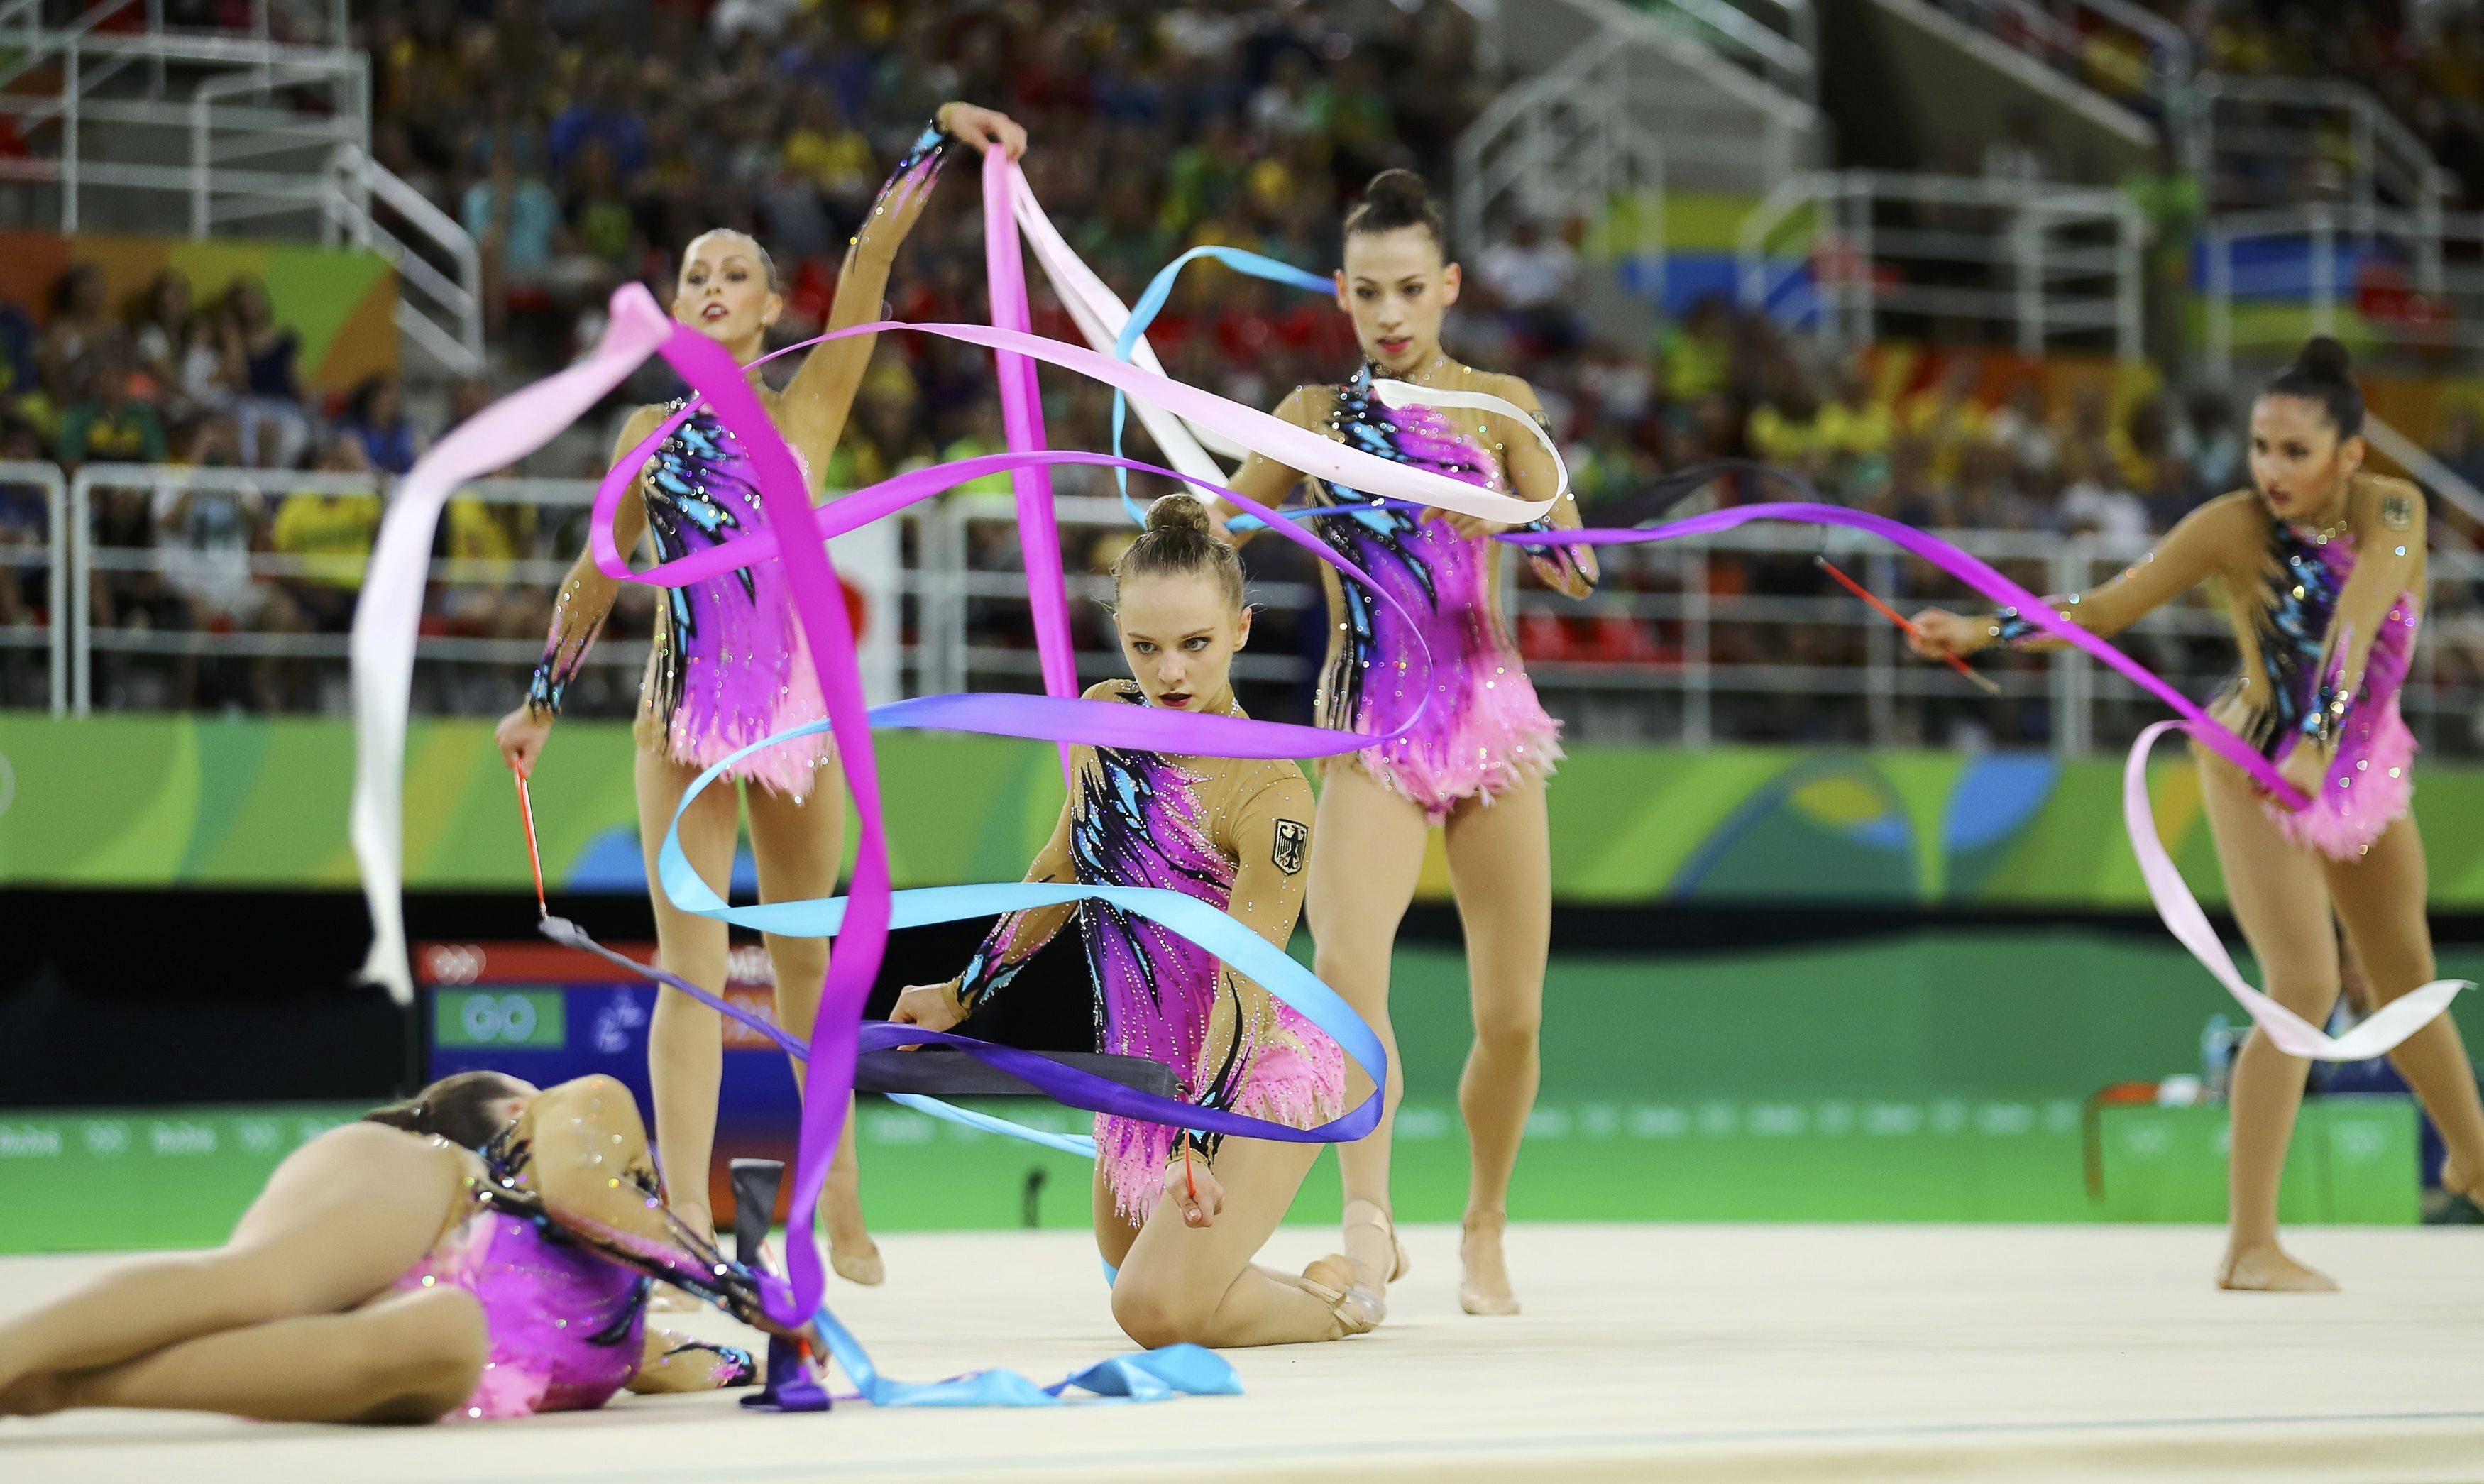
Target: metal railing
{"points": [[439, 267], [2420, 273], [1559, 142], [1860, 254], [48, 632], [2112, 46], [1780, 46], [1665, 649], [2261, 141], [2258, 142], [252, 160], [22, 22], [1730, 98], [239, 596], [240, 157]]}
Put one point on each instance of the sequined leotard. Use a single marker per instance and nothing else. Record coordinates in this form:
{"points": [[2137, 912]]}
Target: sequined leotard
{"points": [[730, 665], [560, 1238], [2285, 612], [1232, 833], [1483, 733], [2370, 781]]}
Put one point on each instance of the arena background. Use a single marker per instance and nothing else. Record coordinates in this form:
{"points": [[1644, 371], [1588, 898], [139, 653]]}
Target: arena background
{"points": [[1881, 1130]]}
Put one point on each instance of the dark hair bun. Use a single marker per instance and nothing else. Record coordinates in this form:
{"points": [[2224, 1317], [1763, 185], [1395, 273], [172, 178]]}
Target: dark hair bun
{"points": [[1401, 188], [2325, 357], [1396, 198], [1177, 512], [2323, 373]]}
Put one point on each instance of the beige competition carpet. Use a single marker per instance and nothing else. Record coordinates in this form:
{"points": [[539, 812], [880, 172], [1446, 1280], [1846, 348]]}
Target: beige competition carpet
{"points": [[1693, 1352]]}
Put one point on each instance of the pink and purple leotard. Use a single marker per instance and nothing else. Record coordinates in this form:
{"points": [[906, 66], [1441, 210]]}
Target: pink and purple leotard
{"points": [[1234, 834], [564, 1310], [731, 665], [2370, 782], [1484, 733]]}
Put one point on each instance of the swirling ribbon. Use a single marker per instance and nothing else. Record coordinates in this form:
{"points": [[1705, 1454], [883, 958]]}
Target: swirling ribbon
{"points": [[2167, 891], [2173, 898]]}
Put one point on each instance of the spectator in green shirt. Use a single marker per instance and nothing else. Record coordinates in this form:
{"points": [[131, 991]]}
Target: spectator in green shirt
{"points": [[106, 424]]}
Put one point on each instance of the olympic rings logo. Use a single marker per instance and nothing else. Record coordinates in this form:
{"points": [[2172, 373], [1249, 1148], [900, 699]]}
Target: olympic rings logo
{"points": [[453, 964], [501, 1017]]}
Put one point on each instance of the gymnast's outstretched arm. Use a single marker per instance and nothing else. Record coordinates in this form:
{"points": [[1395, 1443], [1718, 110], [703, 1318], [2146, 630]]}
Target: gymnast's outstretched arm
{"points": [[2219, 536], [1014, 940], [816, 400], [577, 1156]]}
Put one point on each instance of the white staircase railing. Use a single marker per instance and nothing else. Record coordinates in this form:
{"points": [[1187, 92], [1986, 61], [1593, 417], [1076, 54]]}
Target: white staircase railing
{"points": [[1785, 56], [237, 154], [1562, 143], [439, 269], [2256, 140], [2122, 50], [1847, 253]]}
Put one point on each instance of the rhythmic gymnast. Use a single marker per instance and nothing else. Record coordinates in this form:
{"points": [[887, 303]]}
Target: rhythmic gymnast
{"points": [[391, 1273], [731, 666], [1182, 1216], [1478, 764], [2321, 565]]}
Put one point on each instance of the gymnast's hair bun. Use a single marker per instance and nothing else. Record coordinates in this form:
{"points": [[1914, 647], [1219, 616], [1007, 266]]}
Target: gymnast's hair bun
{"points": [[1396, 198], [1177, 512], [2327, 358], [2323, 372]]}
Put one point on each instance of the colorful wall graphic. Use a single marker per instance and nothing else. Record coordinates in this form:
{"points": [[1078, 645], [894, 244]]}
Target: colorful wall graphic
{"points": [[342, 304], [161, 802]]}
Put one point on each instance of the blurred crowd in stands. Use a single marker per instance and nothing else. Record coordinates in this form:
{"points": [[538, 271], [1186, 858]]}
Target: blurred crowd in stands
{"points": [[583, 144]]}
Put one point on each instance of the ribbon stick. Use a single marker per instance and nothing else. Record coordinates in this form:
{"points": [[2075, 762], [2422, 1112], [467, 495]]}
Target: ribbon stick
{"points": [[390, 610], [1905, 625]]}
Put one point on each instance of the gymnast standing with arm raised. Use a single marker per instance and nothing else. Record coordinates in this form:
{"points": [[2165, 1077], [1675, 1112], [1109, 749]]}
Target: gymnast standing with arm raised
{"points": [[731, 666]]}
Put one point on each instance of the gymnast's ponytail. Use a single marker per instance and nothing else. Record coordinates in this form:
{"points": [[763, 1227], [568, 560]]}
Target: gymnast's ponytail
{"points": [[1179, 542], [2324, 373]]}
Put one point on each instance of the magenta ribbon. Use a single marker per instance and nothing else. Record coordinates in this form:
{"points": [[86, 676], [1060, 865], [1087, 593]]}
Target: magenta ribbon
{"points": [[1967, 568], [1022, 421]]}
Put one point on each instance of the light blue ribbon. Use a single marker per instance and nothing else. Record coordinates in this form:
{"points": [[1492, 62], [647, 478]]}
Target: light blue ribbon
{"points": [[1230, 940], [1141, 1376], [1151, 303]]}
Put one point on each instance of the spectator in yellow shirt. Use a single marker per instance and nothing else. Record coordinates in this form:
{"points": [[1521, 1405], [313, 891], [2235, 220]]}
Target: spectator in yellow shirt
{"points": [[1946, 416], [329, 536]]}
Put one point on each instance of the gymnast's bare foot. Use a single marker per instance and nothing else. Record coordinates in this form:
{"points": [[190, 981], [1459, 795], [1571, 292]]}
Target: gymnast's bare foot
{"points": [[1485, 1288], [852, 1252], [2264, 1267]]}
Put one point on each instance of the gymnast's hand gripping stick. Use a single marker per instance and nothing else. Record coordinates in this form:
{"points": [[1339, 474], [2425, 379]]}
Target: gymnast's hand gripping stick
{"points": [[1983, 682]]}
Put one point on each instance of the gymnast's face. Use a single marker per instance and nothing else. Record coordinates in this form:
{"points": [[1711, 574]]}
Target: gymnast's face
{"points": [[1397, 288], [2298, 463], [723, 292], [1179, 633]]}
